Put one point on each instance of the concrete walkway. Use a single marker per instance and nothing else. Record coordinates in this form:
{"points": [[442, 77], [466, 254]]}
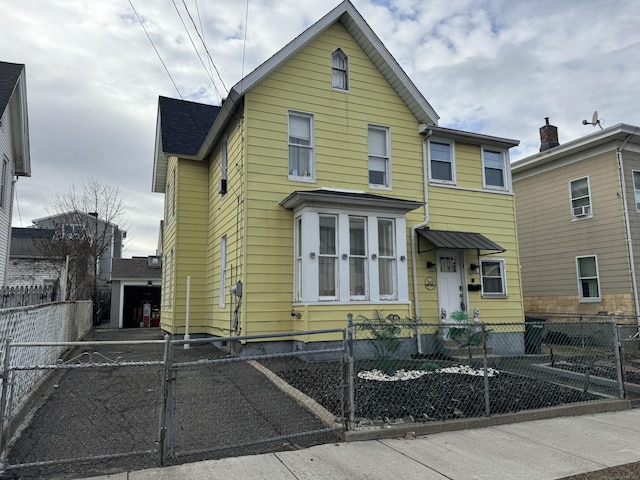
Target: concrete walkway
{"points": [[540, 449]]}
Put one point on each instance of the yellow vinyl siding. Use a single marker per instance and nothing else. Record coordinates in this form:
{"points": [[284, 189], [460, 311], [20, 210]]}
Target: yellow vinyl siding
{"points": [[190, 239], [341, 137], [226, 217]]}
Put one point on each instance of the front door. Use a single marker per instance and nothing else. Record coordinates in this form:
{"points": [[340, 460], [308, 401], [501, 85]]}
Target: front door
{"points": [[450, 291]]}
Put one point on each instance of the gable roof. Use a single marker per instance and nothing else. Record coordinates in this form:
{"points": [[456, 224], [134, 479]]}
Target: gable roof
{"points": [[12, 82], [346, 14], [615, 136], [73, 216], [134, 268], [184, 125], [30, 242], [9, 74], [181, 128]]}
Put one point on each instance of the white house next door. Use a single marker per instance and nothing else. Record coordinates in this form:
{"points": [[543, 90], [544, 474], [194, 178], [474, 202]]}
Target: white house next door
{"points": [[450, 291]]}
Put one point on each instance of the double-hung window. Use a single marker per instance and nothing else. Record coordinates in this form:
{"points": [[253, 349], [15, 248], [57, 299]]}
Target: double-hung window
{"points": [[328, 257], [588, 281], [379, 156], [387, 268], [348, 256], [301, 155], [493, 277], [358, 258], [339, 70], [441, 162], [580, 198], [636, 188], [494, 166]]}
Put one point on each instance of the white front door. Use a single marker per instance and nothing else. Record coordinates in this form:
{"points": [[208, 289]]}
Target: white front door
{"points": [[450, 291]]}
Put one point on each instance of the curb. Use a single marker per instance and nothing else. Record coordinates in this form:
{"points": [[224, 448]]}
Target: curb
{"points": [[418, 429]]}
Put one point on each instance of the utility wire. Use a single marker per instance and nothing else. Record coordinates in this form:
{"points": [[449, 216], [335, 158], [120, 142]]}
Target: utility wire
{"points": [[194, 45], [244, 43], [226, 90], [156, 50]]}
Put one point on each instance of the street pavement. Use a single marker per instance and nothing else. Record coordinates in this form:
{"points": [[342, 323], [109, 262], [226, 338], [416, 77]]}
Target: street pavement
{"points": [[533, 450]]}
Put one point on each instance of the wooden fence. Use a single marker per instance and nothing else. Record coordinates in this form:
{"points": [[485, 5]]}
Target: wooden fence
{"points": [[11, 297]]}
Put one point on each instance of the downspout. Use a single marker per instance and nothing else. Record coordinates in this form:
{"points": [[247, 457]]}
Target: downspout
{"points": [[414, 261], [11, 196], [634, 283]]}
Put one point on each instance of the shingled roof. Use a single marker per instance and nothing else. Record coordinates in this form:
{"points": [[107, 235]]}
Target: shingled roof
{"points": [[134, 268], [184, 125], [9, 74]]}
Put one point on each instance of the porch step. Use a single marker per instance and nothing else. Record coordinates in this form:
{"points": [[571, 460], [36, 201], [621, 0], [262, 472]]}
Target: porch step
{"points": [[453, 350]]}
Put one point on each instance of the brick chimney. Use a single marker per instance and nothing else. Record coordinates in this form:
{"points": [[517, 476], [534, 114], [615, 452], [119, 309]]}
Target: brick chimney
{"points": [[548, 136]]}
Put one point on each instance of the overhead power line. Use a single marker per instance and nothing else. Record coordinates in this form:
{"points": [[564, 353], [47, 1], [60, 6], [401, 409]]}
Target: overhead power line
{"points": [[156, 50], [226, 90], [194, 45]]}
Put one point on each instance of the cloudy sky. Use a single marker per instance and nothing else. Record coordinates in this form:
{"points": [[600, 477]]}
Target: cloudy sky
{"points": [[488, 66]]}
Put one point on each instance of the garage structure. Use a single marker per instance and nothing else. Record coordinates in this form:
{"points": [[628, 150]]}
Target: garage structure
{"points": [[136, 292]]}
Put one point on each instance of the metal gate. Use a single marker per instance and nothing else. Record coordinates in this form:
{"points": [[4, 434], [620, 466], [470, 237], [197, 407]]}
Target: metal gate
{"points": [[117, 406]]}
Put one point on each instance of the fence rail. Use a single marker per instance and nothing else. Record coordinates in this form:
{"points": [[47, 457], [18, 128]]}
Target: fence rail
{"points": [[131, 405], [22, 296]]}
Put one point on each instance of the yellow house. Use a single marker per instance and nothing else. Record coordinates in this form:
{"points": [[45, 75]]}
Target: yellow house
{"points": [[324, 186]]}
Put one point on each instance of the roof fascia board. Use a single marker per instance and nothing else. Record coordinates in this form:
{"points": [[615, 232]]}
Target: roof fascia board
{"points": [[612, 134], [347, 14], [569, 158], [468, 137]]}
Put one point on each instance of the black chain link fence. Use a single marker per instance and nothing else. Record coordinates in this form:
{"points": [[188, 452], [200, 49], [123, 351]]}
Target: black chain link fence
{"points": [[116, 406]]}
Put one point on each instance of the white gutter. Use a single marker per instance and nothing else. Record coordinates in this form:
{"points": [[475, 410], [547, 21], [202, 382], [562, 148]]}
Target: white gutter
{"points": [[632, 267], [414, 262]]}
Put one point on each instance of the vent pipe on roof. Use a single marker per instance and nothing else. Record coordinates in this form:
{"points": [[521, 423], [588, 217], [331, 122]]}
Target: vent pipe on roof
{"points": [[548, 136]]}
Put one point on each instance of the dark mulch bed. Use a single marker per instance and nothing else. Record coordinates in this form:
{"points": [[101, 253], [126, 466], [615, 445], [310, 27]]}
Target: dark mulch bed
{"points": [[602, 368], [433, 397]]}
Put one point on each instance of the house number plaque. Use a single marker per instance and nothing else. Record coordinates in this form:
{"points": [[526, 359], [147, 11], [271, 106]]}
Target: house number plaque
{"points": [[430, 283]]}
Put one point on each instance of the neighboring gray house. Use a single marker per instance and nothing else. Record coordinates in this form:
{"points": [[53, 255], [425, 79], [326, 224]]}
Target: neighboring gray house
{"points": [[80, 224], [578, 211], [15, 158], [29, 264], [136, 292]]}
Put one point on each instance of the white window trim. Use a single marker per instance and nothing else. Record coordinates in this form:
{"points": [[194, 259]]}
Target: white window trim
{"points": [[224, 161], [170, 292], [310, 248], [505, 169], [301, 178], [223, 271], [387, 131], [575, 217], [503, 269], [452, 147], [4, 186], [635, 192], [347, 71], [588, 299]]}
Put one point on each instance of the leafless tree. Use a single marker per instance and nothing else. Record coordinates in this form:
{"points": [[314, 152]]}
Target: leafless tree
{"points": [[88, 222]]}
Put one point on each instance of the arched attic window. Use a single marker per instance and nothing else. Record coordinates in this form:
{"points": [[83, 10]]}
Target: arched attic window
{"points": [[339, 70]]}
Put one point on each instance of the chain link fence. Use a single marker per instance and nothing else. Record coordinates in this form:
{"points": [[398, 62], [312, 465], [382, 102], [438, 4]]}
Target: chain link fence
{"points": [[114, 405], [407, 372], [125, 405]]}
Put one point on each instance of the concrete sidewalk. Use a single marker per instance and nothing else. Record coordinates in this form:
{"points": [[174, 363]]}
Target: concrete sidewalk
{"points": [[540, 449]]}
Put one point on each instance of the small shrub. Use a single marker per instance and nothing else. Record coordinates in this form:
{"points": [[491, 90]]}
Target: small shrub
{"points": [[464, 335], [384, 332]]}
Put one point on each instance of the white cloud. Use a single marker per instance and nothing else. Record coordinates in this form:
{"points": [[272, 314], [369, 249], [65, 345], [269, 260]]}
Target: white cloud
{"points": [[491, 66]]}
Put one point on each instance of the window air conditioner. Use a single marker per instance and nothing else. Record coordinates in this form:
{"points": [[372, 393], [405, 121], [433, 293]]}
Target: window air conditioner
{"points": [[581, 211], [222, 186]]}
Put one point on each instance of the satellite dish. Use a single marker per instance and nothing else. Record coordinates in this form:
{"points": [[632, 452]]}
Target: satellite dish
{"points": [[594, 120]]}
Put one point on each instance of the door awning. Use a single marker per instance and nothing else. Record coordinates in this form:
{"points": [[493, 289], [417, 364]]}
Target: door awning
{"points": [[461, 240]]}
